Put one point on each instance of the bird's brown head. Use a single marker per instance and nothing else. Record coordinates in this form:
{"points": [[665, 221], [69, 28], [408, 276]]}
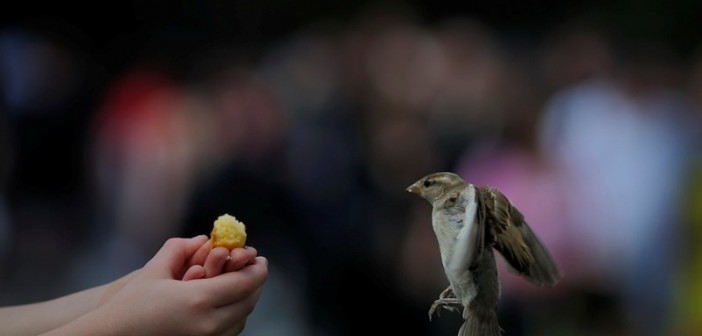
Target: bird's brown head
{"points": [[431, 187]]}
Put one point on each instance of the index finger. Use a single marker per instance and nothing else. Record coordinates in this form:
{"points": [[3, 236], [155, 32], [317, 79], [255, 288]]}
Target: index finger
{"points": [[201, 254]]}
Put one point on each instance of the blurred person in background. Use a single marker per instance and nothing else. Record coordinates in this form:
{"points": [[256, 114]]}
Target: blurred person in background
{"points": [[240, 131], [508, 158], [463, 72], [47, 85], [141, 161], [476, 94], [322, 154], [394, 68], [620, 142]]}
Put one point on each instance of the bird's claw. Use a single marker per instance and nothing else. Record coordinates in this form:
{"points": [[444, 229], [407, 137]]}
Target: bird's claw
{"points": [[445, 303]]}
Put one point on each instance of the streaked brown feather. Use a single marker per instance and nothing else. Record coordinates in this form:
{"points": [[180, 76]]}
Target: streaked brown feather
{"points": [[514, 239]]}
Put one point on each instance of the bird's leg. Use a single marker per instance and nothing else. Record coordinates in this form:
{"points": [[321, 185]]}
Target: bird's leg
{"points": [[447, 293], [447, 300]]}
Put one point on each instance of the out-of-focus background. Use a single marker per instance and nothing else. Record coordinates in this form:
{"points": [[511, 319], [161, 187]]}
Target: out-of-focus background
{"points": [[124, 124]]}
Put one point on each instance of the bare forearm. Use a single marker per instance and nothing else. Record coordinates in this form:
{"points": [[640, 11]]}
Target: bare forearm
{"points": [[36, 318], [93, 323]]}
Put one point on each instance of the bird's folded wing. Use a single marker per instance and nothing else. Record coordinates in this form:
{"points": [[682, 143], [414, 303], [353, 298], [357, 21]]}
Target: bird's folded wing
{"points": [[470, 239], [514, 239]]}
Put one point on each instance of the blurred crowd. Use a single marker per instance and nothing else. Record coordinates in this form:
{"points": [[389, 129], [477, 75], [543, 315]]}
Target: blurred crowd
{"points": [[312, 141]]}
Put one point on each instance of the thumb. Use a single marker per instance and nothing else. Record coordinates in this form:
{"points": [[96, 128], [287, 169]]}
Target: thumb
{"points": [[173, 256]]}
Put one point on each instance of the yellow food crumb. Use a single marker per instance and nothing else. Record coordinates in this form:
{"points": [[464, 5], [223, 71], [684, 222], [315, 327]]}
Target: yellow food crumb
{"points": [[228, 232]]}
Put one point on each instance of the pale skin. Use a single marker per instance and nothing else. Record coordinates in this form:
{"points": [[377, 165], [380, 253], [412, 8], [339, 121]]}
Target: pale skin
{"points": [[187, 288]]}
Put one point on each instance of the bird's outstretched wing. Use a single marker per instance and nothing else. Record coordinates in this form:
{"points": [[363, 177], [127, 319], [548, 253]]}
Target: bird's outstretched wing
{"points": [[513, 238]]}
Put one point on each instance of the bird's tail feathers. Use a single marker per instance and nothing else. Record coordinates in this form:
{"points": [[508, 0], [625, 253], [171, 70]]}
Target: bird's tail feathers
{"points": [[480, 326]]}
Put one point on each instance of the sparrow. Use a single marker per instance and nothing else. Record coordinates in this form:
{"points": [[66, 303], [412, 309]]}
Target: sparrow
{"points": [[469, 222]]}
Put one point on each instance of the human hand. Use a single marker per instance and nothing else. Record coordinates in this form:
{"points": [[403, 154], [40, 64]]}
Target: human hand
{"points": [[209, 262], [206, 262], [154, 300]]}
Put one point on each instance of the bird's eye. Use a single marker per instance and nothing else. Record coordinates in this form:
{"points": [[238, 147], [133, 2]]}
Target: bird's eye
{"points": [[428, 183]]}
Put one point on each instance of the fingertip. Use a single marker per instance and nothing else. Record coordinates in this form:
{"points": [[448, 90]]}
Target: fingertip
{"points": [[262, 263], [201, 238], [214, 264], [201, 254], [194, 272], [264, 260], [240, 258], [219, 251], [208, 244]]}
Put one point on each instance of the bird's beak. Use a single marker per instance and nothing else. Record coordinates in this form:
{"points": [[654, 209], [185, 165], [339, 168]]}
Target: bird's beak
{"points": [[415, 189]]}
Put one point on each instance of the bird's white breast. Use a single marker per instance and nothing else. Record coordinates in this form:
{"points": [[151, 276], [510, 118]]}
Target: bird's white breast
{"points": [[456, 230], [464, 250]]}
